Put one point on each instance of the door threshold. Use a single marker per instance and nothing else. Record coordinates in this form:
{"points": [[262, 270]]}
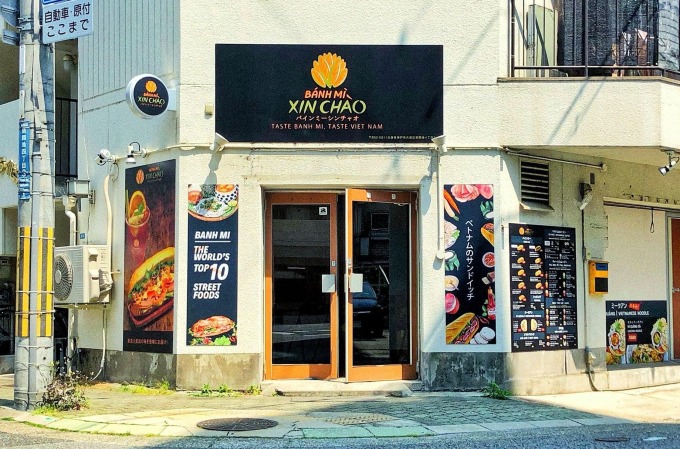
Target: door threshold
{"points": [[340, 387]]}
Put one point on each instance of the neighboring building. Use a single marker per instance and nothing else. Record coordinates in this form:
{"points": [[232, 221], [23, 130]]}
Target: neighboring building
{"points": [[477, 251]]}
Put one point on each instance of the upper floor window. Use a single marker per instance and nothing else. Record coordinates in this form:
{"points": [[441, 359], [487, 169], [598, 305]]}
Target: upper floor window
{"points": [[594, 38]]}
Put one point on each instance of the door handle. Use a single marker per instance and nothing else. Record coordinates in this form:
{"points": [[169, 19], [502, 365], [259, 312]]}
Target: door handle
{"points": [[676, 290], [356, 282], [328, 283]]}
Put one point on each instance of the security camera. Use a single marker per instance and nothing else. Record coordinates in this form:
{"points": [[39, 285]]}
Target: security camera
{"points": [[440, 142], [103, 156], [219, 143], [587, 198], [586, 191]]}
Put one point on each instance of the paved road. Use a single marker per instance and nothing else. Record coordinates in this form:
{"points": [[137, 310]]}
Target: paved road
{"points": [[637, 436]]}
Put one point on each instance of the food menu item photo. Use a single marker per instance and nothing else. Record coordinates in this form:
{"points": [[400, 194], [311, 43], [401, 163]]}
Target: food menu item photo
{"points": [[216, 330], [462, 329], [212, 202], [616, 342], [150, 292]]}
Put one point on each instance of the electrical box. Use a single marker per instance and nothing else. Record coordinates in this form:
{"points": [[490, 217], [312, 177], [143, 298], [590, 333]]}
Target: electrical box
{"points": [[598, 274]]}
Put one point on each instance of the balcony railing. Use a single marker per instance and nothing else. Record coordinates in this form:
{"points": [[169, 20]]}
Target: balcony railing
{"points": [[559, 38]]}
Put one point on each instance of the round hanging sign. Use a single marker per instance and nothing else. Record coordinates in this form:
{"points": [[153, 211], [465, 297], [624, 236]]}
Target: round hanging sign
{"points": [[147, 96]]}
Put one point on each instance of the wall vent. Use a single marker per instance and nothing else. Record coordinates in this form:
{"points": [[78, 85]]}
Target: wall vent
{"points": [[535, 185]]}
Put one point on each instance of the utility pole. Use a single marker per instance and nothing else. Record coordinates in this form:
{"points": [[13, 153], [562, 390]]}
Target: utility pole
{"points": [[35, 250]]}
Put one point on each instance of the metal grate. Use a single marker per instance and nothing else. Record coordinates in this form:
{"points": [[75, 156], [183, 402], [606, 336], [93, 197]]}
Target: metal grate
{"points": [[236, 424], [358, 419], [535, 183]]}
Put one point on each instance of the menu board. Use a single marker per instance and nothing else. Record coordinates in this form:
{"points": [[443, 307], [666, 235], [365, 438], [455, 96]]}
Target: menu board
{"points": [[543, 287], [637, 332]]}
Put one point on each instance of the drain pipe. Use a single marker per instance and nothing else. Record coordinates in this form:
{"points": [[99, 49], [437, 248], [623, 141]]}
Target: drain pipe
{"points": [[109, 242], [590, 357], [69, 203], [441, 252]]}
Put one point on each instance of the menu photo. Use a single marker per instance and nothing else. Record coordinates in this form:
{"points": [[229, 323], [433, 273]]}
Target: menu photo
{"points": [[213, 264], [469, 265], [149, 273], [637, 332]]}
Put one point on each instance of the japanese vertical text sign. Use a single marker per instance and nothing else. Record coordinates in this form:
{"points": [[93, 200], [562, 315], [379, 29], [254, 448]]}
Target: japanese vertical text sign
{"points": [[469, 276], [69, 19], [149, 258], [212, 264], [24, 169]]}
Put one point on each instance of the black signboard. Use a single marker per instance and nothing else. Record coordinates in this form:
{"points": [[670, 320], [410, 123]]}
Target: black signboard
{"points": [[637, 332], [147, 96], [149, 258], [543, 287], [470, 261], [329, 93], [213, 264]]}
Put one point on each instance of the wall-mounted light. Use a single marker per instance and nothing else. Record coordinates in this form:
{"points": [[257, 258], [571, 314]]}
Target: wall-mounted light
{"points": [[219, 143], [672, 161], [70, 62], [440, 142], [135, 151]]}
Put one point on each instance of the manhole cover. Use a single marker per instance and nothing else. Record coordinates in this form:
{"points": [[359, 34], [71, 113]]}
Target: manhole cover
{"points": [[236, 424]]}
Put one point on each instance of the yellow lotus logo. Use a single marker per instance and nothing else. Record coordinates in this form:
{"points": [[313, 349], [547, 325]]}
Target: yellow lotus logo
{"points": [[150, 86], [329, 70]]}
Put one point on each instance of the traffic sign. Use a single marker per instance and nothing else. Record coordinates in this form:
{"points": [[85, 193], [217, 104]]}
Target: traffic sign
{"points": [[68, 19], [10, 11]]}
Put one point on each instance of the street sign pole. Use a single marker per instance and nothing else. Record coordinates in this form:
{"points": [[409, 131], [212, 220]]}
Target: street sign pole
{"points": [[35, 250]]}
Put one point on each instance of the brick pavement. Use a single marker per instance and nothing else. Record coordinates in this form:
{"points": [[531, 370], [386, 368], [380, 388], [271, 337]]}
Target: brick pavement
{"points": [[114, 409]]}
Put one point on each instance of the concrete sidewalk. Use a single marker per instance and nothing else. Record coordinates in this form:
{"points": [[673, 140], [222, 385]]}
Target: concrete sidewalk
{"points": [[345, 410]]}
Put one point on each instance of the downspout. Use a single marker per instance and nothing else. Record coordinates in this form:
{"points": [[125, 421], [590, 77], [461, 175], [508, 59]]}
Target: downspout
{"points": [[69, 202], [109, 218], [109, 241]]}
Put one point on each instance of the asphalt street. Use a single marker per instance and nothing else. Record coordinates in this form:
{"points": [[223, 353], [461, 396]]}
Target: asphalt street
{"points": [[638, 436]]}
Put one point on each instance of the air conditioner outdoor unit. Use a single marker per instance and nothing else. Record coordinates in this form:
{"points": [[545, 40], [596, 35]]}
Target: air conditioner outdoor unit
{"points": [[82, 275]]}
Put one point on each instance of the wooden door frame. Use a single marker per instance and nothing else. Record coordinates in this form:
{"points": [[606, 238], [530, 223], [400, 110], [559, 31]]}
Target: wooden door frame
{"points": [[382, 372], [674, 277], [299, 371]]}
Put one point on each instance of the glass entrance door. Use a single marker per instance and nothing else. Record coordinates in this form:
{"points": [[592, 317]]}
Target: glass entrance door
{"points": [[302, 318], [360, 325], [381, 313]]}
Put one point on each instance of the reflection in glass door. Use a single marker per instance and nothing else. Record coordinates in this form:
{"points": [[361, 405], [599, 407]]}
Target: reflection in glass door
{"points": [[381, 312], [302, 316]]}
